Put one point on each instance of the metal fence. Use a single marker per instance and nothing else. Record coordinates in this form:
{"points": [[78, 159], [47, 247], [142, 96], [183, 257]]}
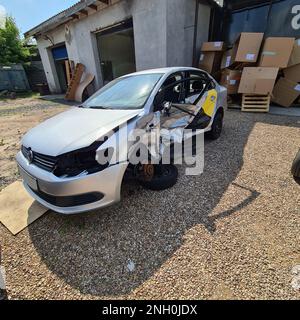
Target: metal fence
{"points": [[35, 74], [13, 78]]}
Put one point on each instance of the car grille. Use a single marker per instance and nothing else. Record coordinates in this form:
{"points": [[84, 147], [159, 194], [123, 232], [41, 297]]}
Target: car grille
{"points": [[42, 161], [70, 201]]}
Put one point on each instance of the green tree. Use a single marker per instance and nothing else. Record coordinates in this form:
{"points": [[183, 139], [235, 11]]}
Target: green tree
{"points": [[12, 48]]}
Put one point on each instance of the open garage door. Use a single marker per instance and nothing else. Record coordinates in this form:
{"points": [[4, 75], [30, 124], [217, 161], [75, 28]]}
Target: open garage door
{"points": [[60, 55], [116, 51]]}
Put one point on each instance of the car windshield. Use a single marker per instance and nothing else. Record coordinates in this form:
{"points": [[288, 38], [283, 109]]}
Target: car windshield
{"points": [[129, 92]]}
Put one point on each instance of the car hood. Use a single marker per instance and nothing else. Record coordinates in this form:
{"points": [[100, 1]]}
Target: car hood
{"points": [[74, 129]]}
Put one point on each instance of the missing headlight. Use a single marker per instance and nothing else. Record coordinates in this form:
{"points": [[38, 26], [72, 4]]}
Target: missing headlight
{"points": [[78, 162]]}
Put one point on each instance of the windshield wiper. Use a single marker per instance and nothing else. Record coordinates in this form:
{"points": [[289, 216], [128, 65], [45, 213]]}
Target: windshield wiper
{"points": [[97, 107]]}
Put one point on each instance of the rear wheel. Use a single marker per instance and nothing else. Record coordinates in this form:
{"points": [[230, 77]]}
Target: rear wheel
{"points": [[164, 177], [216, 128]]}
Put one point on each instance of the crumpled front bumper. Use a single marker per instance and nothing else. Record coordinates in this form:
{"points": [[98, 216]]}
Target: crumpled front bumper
{"points": [[96, 190]]}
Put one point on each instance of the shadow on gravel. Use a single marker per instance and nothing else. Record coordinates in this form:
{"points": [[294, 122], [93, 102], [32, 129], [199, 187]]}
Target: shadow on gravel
{"points": [[3, 295], [92, 252]]}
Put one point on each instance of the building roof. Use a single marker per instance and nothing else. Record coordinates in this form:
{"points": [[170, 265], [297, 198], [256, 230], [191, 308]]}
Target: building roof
{"points": [[76, 11], [64, 16]]}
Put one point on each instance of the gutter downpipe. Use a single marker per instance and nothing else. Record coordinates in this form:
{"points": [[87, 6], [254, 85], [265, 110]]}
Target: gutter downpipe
{"points": [[195, 34]]}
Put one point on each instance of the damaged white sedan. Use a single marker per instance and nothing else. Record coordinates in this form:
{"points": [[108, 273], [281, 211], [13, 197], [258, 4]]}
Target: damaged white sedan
{"points": [[76, 161]]}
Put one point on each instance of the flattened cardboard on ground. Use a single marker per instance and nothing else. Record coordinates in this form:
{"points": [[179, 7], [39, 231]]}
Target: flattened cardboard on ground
{"points": [[231, 80], [286, 92], [213, 46], [295, 56], [17, 209], [89, 78], [258, 80], [292, 73], [210, 61], [276, 52], [247, 47]]}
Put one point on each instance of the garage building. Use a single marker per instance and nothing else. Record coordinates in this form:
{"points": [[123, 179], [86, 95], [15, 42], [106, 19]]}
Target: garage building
{"points": [[115, 37]]}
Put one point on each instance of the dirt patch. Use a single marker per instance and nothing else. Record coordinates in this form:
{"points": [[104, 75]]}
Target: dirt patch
{"points": [[16, 118]]}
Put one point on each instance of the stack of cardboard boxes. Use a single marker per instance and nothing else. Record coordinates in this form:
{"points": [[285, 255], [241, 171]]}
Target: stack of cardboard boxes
{"points": [[253, 66], [287, 89]]}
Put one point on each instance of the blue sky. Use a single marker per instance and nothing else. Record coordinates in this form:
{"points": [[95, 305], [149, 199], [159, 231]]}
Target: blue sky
{"points": [[29, 13]]}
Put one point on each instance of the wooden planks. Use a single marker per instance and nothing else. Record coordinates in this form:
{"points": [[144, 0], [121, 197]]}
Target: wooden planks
{"points": [[68, 71], [75, 81], [256, 103]]}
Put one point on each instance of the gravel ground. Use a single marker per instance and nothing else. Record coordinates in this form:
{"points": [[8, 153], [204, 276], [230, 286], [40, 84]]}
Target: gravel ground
{"points": [[231, 233]]}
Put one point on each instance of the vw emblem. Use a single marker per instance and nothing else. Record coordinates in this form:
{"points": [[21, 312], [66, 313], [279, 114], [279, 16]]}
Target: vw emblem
{"points": [[30, 156]]}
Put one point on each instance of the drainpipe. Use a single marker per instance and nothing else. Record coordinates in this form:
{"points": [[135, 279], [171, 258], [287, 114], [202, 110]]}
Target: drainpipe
{"points": [[195, 34], [269, 15]]}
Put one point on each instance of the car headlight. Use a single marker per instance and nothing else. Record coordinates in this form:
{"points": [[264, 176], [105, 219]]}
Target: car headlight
{"points": [[80, 162]]}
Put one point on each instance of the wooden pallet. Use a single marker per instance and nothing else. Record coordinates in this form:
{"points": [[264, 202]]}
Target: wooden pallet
{"points": [[256, 103], [75, 81]]}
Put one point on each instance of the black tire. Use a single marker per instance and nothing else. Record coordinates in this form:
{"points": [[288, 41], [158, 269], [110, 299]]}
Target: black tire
{"points": [[296, 168], [297, 179], [165, 177], [216, 128]]}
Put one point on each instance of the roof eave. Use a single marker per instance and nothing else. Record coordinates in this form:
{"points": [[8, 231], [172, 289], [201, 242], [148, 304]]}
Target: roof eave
{"points": [[59, 19], [67, 15]]}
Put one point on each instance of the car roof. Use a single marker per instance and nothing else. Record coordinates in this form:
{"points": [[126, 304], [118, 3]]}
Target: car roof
{"points": [[163, 70]]}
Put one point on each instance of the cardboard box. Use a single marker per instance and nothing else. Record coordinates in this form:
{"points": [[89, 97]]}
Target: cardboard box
{"points": [[295, 56], [231, 80], [292, 73], [227, 59], [247, 47], [210, 61], [286, 92], [213, 46], [276, 52], [258, 80]]}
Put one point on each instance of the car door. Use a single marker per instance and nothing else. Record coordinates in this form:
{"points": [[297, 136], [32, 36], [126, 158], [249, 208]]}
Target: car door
{"points": [[181, 97], [201, 92]]}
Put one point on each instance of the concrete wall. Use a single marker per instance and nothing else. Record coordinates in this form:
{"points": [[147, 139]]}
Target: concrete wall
{"points": [[163, 35]]}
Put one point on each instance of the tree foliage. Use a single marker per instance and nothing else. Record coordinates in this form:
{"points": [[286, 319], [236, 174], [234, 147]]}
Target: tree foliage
{"points": [[12, 49]]}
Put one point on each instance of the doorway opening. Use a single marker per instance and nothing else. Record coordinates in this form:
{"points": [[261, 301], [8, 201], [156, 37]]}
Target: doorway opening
{"points": [[116, 51], [60, 56]]}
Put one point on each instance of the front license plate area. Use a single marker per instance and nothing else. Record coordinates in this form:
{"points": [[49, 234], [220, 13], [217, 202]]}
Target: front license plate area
{"points": [[28, 179]]}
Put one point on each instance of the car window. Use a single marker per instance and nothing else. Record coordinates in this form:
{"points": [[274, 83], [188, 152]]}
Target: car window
{"points": [[197, 82], [173, 88], [129, 92], [171, 91]]}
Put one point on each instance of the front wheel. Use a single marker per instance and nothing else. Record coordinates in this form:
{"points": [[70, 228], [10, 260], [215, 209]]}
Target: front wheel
{"points": [[164, 177], [296, 168], [216, 128]]}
